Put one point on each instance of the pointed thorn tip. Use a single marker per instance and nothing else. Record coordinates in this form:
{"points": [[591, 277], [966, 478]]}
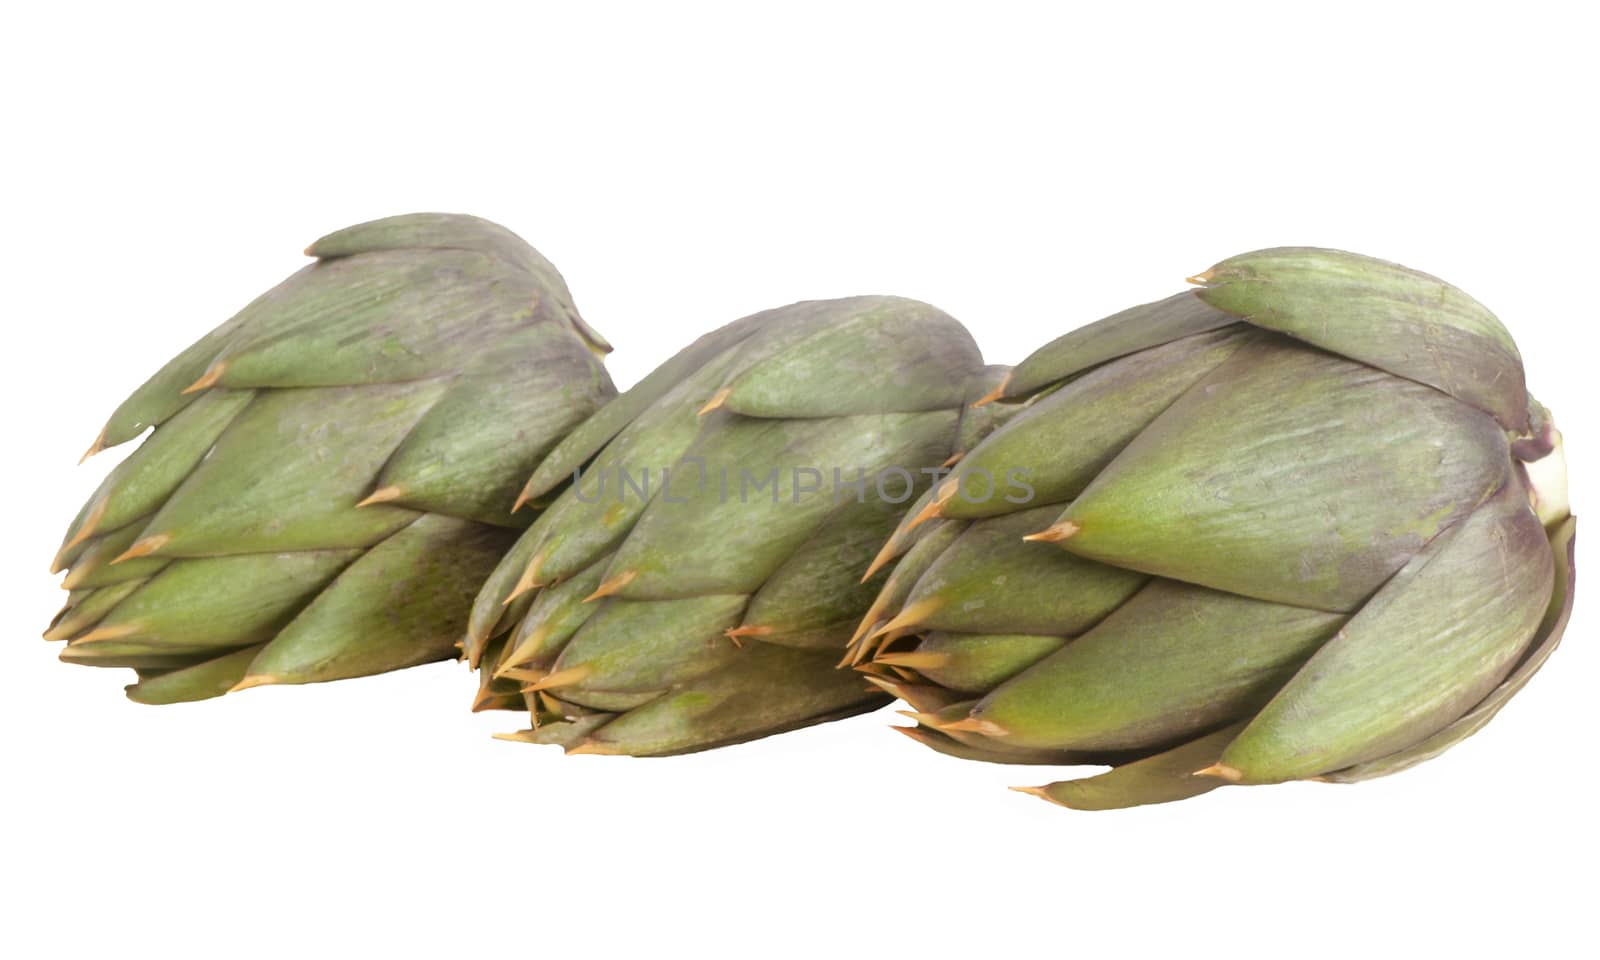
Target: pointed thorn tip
{"points": [[526, 651], [737, 634], [528, 581], [1055, 533], [935, 507], [887, 686], [382, 495], [911, 615], [253, 680], [143, 547], [883, 559], [561, 678], [970, 724], [914, 659], [717, 400], [522, 500], [997, 393], [208, 379], [115, 631], [612, 586], [91, 523], [94, 448]]}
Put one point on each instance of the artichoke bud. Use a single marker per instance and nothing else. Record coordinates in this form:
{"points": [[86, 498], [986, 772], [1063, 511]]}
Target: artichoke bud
{"points": [[1304, 522], [329, 475], [727, 510]]}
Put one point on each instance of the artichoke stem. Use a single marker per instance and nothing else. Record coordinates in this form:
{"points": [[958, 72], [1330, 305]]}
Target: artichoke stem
{"points": [[1547, 485]]}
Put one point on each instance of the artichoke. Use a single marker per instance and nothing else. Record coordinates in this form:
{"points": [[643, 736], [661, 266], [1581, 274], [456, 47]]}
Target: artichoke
{"points": [[1304, 522], [331, 472], [695, 584]]}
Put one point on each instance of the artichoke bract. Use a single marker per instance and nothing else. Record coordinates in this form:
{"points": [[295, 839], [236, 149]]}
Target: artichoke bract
{"points": [[330, 473], [1304, 522], [697, 580]]}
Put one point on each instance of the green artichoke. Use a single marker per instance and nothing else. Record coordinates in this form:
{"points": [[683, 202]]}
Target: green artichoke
{"points": [[331, 472], [1302, 523], [696, 583]]}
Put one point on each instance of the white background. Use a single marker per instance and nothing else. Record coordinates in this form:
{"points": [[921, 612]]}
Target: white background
{"points": [[1027, 169]]}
